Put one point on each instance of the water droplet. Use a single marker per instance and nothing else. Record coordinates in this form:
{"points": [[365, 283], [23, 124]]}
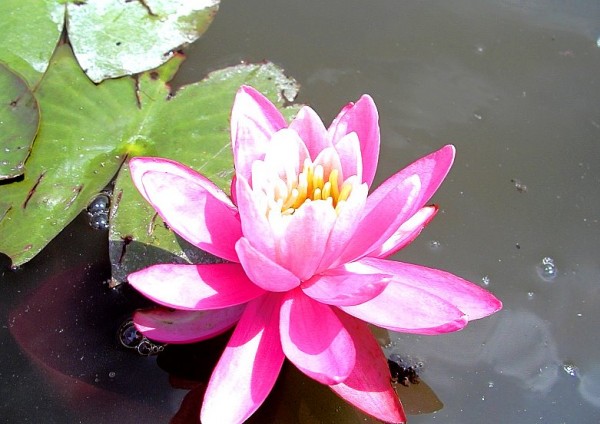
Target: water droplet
{"points": [[112, 374], [434, 244], [480, 49], [486, 280], [547, 269], [571, 369], [530, 295], [478, 116], [491, 384]]}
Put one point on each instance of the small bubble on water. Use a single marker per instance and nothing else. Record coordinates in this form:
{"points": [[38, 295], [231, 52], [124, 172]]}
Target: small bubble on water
{"points": [[99, 204], [99, 221], [571, 369], [547, 269], [521, 188], [112, 374], [480, 49], [530, 295], [434, 244], [491, 384], [478, 116], [486, 280]]}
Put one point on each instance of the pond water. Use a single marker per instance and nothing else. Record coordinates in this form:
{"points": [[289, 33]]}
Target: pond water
{"points": [[515, 85]]}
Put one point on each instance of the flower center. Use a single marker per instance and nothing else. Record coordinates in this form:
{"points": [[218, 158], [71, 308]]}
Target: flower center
{"points": [[310, 185]]}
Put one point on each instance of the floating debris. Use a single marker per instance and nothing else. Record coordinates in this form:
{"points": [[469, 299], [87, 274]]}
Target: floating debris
{"points": [[403, 372], [434, 244], [571, 369], [547, 269], [521, 188]]}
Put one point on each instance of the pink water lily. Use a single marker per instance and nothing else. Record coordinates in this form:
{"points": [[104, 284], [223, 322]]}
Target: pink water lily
{"points": [[305, 246]]}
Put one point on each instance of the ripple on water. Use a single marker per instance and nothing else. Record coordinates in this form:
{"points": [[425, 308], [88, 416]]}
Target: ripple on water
{"points": [[589, 385]]}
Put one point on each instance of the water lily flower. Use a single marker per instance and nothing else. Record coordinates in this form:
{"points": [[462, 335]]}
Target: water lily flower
{"points": [[305, 247]]}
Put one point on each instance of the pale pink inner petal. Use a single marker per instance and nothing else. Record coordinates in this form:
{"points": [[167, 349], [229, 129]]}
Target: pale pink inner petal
{"points": [[329, 160], [285, 155], [408, 231], [175, 326], [349, 284], [314, 339], [254, 119], [195, 287], [253, 215], [300, 247], [249, 366], [348, 149], [196, 210], [311, 130], [368, 386], [404, 308], [471, 299], [363, 119], [264, 272]]}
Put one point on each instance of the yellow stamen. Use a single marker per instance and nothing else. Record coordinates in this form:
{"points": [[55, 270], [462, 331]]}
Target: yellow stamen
{"points": [[333, 180], [326, 192], [318, 177], [316, 194], [345, 192]]}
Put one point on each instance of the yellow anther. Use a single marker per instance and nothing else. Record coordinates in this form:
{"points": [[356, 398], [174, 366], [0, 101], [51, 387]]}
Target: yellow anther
{"points": [[326, 192], [318, 177], [339, 206], [291, 200], [316, 194], [345, 192], [333, 180]]}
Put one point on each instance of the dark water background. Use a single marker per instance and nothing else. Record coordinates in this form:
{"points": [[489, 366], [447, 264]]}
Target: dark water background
{"points": [[515, 85]]}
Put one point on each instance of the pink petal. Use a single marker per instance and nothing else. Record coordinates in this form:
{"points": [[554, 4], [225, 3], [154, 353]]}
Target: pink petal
{"points": [[195, 287], [348, 149], [249, 366], [174, 326], [311, 130], [380, 217], [407, 309], [471, 299], [263, 271], [347, 285], [314, 339], [286, 149], [407, 232], [363, 119], [190, 204], [255, 225], [302, 242], [368, 386], [344, 228], [254, 119]]}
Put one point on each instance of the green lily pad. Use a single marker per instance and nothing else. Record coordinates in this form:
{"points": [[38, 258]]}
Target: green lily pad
{"points": [[19, 117], [88, 131], [30, 30], [195, 129], [112, 38]]}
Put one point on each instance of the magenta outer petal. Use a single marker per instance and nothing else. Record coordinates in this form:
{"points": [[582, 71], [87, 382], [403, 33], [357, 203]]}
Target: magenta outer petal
{"points": [[254, 119], [195, 287], [471, 299], [380, 216], [174, 326], [263, 271], [190, 204], [407, 232], [363, 119], [347, 285], [407, 309], [368, 386], [311, 130], [315, 340], [249, 366], [348, 149]]}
